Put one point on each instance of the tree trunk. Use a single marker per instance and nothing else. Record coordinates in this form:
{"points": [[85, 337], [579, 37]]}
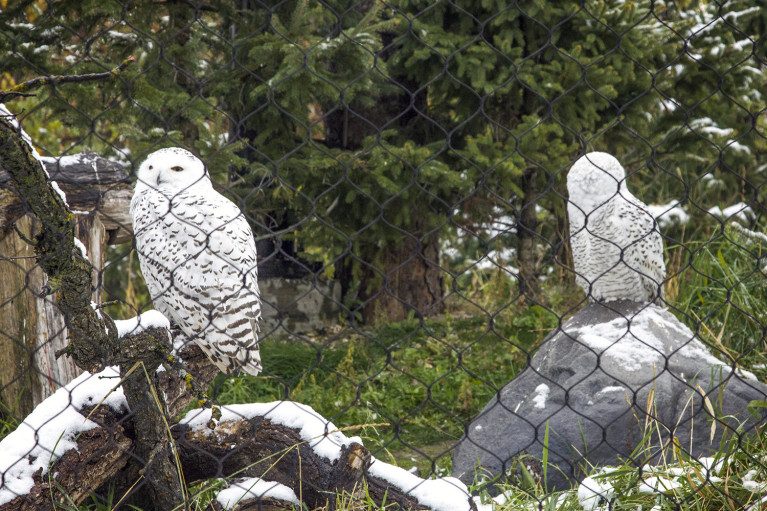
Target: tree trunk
{"points": [[32, 329], [412, 281], [528, 228]]}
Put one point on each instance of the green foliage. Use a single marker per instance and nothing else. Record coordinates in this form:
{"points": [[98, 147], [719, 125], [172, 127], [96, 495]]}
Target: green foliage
{"points": [[349, 128], [421, 118]]}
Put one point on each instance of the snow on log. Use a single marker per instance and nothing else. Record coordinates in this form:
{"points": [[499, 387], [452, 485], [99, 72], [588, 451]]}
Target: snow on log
{"points": [[271, 454]]}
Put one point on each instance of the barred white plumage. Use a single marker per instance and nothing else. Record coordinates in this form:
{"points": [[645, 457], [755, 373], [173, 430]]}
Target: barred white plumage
{"points": [[198, 258], [617, 247]]}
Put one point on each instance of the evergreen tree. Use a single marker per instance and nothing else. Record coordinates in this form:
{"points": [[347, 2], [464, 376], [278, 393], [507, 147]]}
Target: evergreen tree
{"points": [[366, 137]]}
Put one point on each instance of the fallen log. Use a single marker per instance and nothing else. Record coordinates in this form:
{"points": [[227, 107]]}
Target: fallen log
{"points": [[284, 443]]}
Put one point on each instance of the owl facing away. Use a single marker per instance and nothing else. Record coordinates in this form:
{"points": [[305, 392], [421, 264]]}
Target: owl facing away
{"points": [[198, 257], [616, 245]]}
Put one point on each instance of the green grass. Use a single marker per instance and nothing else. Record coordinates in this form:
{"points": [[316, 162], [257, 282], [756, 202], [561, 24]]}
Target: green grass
{"points": [[723, 293], [408, 388]]}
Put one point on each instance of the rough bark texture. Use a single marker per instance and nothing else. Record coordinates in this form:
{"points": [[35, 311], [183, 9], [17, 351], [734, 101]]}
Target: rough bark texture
{"points": [[68, 270], [259, 448], [32, 327], [528, 226], [92, 336], [244, 448], [154, 457], [412, 281]]}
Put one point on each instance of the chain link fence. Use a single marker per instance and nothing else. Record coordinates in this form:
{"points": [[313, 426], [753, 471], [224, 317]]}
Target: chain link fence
{"points": [[427, 280]]}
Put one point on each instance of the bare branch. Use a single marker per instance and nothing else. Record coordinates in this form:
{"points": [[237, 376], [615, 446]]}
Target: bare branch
{"points": [[22, 88]]}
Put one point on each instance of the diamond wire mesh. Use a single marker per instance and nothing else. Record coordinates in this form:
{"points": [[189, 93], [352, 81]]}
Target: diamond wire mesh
{"points": [[403, 166]]}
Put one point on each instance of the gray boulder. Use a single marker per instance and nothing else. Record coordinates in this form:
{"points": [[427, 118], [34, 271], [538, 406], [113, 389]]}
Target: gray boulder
{"points": [[614, 383]]}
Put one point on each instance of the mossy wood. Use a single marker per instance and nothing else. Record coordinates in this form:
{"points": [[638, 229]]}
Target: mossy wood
{"points": [[33, 329]]}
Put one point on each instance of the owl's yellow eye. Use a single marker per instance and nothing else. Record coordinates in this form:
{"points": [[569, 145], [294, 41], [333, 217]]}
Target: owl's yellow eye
{"points": [[177, 168]]}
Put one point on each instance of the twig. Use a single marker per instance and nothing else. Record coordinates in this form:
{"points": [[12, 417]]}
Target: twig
{"points": [[22, 88], [5, 94]]}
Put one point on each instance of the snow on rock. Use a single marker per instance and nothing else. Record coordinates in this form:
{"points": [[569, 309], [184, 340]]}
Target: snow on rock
{"points": [[596, 359], [11, 118], [254, 488], [633, 343], [321, 435], [133, 326], [615, 388], [51, 430], [540, 396]]}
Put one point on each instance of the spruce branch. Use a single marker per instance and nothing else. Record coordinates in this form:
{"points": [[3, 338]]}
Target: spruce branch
{"points": [[22, 88]]}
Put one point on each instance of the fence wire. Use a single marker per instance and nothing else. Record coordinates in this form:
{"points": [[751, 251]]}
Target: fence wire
{"points": [[437, 280]]}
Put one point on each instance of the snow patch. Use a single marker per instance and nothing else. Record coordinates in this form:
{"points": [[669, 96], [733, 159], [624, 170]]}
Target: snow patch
{"points": [[445, 494], [58, 190], [321, 435], [633, 343], [656, 484], [65, 160], [541, 395], [668, 214], [254, 488], [51, 430], [595, 494], [612, 389], [81, 247], [133, 326]]}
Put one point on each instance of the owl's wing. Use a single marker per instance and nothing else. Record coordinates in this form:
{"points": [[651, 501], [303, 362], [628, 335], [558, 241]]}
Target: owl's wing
{"points": [[220, 263], [636, 233]]}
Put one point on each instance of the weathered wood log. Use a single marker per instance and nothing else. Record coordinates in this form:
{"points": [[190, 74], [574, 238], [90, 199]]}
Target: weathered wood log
{"points": [[245, 448], [32, 329], [270, 451], [91, 335], [103, 454], [263, 504], [93, 186]]}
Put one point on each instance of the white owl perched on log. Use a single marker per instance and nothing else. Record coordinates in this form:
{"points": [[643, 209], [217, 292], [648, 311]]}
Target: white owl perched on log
{"points": [[198, 257], [617, 247]]}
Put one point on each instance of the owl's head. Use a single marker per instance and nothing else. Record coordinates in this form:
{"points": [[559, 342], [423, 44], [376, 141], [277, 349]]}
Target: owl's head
{"points": [[594, 179], [172, 168]]}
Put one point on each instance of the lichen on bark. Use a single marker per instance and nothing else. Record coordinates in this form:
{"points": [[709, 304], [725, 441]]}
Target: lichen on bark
{"points": [[69, 272]]}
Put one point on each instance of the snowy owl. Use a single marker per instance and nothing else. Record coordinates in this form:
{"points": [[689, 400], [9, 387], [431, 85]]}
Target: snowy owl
{"points": [[617, 247], [198, 257]]}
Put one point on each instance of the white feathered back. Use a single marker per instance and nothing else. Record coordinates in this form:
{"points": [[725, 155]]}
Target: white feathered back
{"points": [[616, 245]]}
